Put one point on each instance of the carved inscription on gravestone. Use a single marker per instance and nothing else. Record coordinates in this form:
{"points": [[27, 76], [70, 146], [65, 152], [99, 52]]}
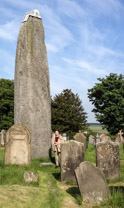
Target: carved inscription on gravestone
{"points": [[17, 149]]}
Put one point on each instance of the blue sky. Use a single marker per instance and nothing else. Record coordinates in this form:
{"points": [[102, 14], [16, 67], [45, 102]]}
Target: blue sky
{"points": [[84, 39]]}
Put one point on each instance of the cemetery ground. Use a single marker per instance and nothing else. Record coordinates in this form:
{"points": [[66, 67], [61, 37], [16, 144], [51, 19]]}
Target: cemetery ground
{"points": [[50, 192]]}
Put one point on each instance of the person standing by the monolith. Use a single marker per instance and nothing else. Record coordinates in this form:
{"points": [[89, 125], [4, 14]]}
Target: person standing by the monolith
{"points": [[32, 106]]}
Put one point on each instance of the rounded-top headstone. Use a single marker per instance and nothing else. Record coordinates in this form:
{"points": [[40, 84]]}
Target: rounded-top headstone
{"points": [[32, 103], [17, 150]]}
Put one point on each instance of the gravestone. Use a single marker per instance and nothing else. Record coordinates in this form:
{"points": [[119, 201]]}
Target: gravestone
{"points": [[107, 154], [0, 138], [3, 137], [97, 140], [32, 102], [91, 139], [104, 137], [17, 150], [64, 137], [72, 154], [92, 183], [80, 137], [120, 135]]}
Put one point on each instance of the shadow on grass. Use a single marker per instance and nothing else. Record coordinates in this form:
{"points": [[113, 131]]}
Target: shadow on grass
{"points": [[74, 192], [118, 189], [57, 176]]}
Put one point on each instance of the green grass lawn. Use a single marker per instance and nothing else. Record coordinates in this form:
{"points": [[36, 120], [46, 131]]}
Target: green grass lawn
{"points": [[47, 193], [98, 129], [15, 193]]}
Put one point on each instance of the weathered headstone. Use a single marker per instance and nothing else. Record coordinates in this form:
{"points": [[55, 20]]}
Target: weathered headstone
{"points": [[97, 140], [17, 150], [80, 137], [72, 154], [32, 103], [3, 137], [91, 139], [0, 138], [104, 137], [108, 160], [64, 137], [92, 183]]}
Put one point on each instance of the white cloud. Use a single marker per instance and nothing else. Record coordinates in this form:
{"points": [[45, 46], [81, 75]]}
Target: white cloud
{"points": [[51, 48], [105, 7], [84, 66], [71, 8], [9, 30]]}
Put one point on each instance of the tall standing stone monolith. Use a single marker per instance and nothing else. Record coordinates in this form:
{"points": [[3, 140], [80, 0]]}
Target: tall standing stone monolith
{"points": [[32, 106]]}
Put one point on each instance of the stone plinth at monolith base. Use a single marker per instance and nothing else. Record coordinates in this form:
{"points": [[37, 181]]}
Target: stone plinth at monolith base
{"points": [[92, 183], [17, 149], [108, 159], [72, 154], [32, 103]]}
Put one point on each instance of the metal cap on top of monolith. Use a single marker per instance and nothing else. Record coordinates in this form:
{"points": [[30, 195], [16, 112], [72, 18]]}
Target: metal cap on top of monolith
{"points": [[32, 105]]}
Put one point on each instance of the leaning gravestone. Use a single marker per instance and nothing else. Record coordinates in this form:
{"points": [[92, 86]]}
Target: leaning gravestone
{"points": [[72, 154], [107, 154], [32, 102], [17, 150], [80, 137], [92, 183]]}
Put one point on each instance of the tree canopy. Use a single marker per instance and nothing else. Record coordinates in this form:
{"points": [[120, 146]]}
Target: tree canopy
{"points": [[6, 103], [68, 114], [107, 96]]}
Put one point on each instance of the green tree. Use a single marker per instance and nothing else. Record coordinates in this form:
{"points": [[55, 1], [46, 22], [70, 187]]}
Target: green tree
{"points": [[68, 114], [6, 103], [107, 96]]}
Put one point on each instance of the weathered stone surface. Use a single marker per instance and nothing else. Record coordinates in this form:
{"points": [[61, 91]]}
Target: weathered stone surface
{"points": [[0, 138], [64, 137], [108, 159], [46, 164], [91, 139], [30, 177], [72, 154], [104, 137], [92, 183], [97, 140], [17, 150], [3, 137], [80, 137], [32, 104]]}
